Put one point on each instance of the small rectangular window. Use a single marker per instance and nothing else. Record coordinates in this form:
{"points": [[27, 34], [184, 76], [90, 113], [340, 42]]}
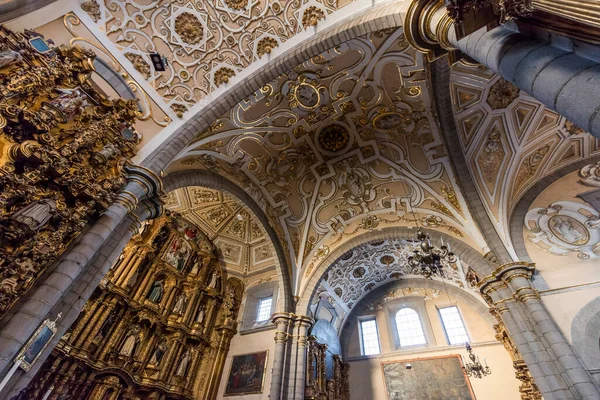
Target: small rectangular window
{"points": [[369, 336], [453, 325], [264, 309]]}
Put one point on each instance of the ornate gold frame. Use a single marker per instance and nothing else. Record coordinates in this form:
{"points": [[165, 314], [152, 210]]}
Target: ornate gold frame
{"points": [[51, 325], [262, 383]]}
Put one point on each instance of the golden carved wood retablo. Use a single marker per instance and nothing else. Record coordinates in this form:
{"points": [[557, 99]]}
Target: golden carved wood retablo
{"points": [[63, 151], [158, 326]]}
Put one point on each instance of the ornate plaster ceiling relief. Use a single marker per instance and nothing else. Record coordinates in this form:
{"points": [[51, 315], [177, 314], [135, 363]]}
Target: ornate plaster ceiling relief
{"points": [[241, 242], [342, 144], [565, 227], [509, 139], [205, 42], [369, 266]]}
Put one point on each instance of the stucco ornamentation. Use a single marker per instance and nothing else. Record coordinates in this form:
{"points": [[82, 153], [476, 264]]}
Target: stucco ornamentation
{"points": [[565, 227]]}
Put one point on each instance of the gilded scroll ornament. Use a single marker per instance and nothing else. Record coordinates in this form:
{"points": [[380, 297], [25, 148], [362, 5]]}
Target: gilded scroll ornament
{"points": [[93, 9], [179, 109], [139, 64], [66, 147]]}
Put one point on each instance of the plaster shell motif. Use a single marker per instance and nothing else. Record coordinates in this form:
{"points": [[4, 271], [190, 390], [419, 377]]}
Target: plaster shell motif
{"points": [[200, 37], [320, 194], [511, 147], [565, 227], [241, 242], [378, 263]]}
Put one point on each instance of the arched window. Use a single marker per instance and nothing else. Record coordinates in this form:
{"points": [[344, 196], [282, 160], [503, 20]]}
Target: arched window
{"points": [[410, 330]]}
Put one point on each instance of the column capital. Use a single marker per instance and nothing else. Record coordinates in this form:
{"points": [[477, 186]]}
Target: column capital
{"points": [[507, 272], [427, 28], [281, 317]]}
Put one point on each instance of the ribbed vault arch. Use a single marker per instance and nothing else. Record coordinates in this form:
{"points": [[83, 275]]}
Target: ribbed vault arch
{"points": [[212, 180]]}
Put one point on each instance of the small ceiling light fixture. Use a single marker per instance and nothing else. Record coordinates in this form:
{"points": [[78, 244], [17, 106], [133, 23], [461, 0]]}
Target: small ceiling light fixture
{"points": [[474, 368], [159, 62]]}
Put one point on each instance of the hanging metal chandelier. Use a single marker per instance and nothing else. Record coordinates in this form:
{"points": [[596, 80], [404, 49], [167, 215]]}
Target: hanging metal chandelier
{"points": [[474, 368], [427, 259]]}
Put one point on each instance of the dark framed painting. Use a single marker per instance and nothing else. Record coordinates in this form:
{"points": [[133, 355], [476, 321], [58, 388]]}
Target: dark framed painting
{"points": [[36, 344], [247, 374], [440, 378]]}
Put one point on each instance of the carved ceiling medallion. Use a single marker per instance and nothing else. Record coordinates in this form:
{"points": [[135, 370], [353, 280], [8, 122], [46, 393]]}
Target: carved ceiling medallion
{"points": [[189, 28], [565, 227], [334, 138], [307, 95], [391, 120], [502, 93]]}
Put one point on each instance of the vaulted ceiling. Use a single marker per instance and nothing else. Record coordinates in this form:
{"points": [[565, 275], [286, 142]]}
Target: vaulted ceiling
{"points": [[510, 140], [242, 244], [342, 144]]}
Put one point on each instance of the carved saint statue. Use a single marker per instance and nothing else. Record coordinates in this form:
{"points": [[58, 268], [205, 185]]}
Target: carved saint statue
{"points": [[70, 101], [180, 304], [8, 57], [130, 341], [133, 279], [183, 364], [36, 214], [106, 325], [158, 353], [214, 280], [156, 292], [195, 267], [200, 315]]}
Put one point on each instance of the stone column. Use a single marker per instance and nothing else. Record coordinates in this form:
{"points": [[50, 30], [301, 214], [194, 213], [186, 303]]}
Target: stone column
{"points": [[564, 80], [552, 363], [297, 364], [303, 323], [284, 324]]}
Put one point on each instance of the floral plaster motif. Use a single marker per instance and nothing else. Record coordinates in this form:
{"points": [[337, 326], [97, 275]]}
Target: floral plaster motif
{"points": [[196, 35]]}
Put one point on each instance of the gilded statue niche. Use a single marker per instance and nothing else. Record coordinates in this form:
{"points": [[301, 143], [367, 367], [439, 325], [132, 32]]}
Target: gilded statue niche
{"points": [[63, 151], [160, 321]]}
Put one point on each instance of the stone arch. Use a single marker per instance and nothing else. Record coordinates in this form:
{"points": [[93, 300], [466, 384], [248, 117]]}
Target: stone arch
{"points": [[585, 334], [389, 15], [212, 180], [465, 252], [423, 283], [517, 216]]}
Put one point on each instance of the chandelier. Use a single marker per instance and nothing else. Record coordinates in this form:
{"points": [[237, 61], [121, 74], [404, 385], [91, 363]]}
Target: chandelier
{"points": [[474, 368], [427, 259]]}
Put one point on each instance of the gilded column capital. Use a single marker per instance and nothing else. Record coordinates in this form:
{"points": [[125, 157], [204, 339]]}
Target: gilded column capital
{"points": [[304, 321], [427, 28], [513, 278]]}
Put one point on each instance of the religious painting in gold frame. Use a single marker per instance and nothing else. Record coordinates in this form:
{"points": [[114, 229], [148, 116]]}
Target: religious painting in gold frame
{"points": [[36, 344], [440, 378], [247, 374]]}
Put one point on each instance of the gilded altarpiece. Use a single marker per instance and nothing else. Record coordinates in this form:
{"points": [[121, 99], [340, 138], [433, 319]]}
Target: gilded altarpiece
{"points": [[158, 326], [64, 150], [318, 387]]}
